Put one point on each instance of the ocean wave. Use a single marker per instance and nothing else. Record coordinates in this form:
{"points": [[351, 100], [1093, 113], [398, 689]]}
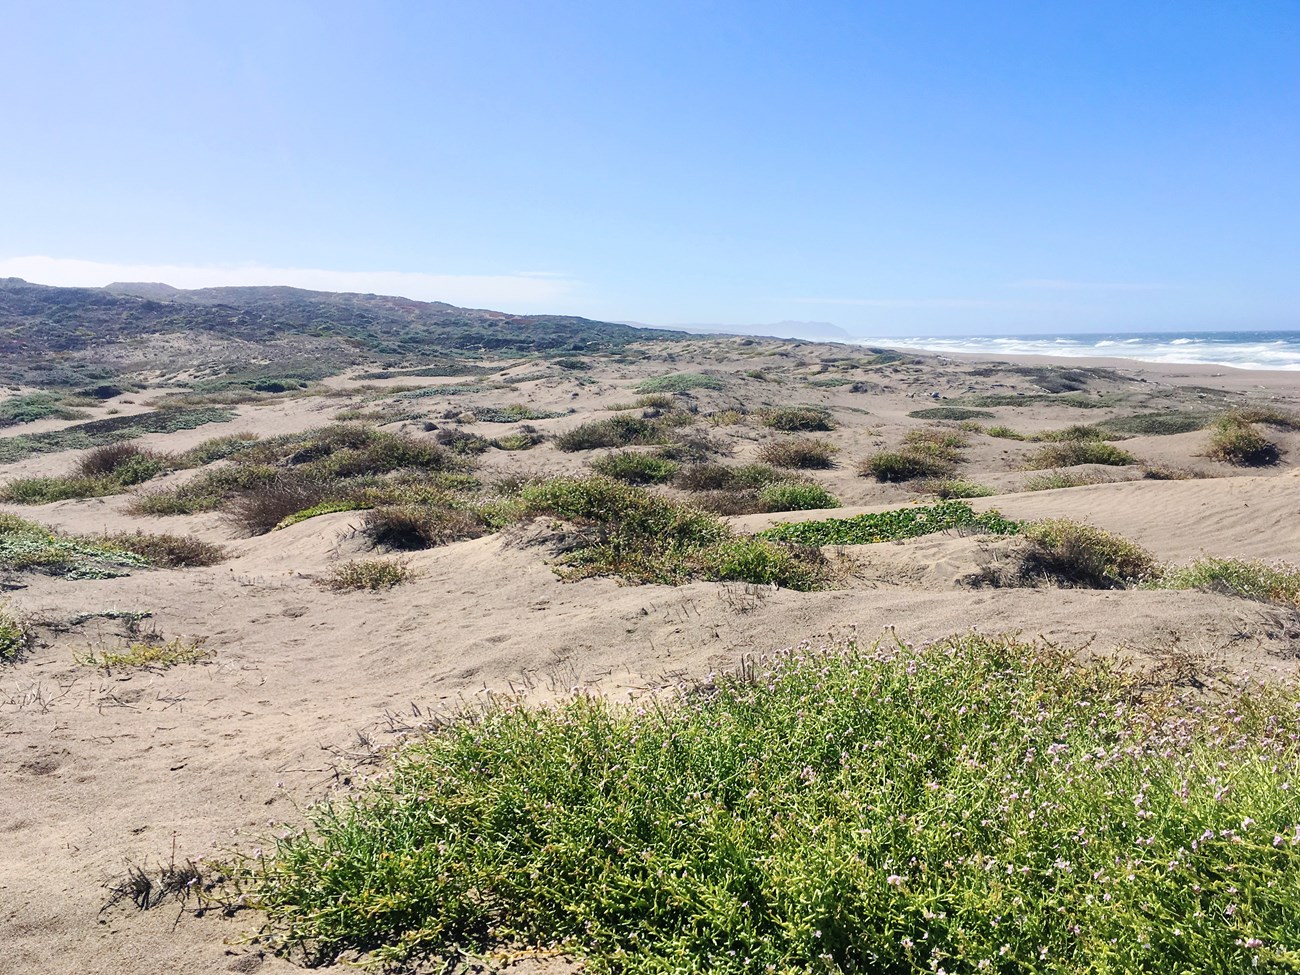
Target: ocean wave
{"points": [[1240, 350]]}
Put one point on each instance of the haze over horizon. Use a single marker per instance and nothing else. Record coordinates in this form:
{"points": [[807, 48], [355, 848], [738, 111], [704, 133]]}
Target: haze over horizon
{"points": [[899, 169]]}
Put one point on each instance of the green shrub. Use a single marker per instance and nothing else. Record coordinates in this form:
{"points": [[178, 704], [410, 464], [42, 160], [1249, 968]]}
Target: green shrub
{"points": [[16, 637], [947, 489], [35, 406], [798, 453], [635, 468], [614, 431], [1085, 557], [1004, 433], [46, 490], [217, 448], [950, 413], [724, 477], [795, 496], [798, 419], [207, 492], [678, 382], [1075, 452], [369, 574], [520, 440], [892, 526], [1078, 431], [892, 466], [645, 538], [974, 805], [936, 442], [1275, 583], [1235, 441], [26, 546]]}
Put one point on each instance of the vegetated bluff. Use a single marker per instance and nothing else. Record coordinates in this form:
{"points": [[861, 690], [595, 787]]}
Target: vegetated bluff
{"points": [[39, 319]]}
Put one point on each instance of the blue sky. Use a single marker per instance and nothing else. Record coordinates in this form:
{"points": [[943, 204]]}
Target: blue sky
{"points": [[896, 168]]}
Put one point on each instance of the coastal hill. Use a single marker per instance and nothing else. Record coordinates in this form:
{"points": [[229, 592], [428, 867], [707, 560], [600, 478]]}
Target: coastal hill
{"points": [[39, 319]]}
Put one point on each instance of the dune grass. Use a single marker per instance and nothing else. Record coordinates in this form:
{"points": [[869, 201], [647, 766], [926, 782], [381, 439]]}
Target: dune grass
{"points": [[1072, 453], [975, 805], [799, 453], [15, 635], [1253, 579], [367, 574], [1235, 440], [26, 546], [678, 382], [641, 537], [149, 655], [1085, 556]]}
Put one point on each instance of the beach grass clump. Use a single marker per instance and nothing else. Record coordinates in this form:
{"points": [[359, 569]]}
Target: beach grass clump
{"points": [[371, 575], [795, 496], [949, 488], [977, 804], [16, 637], [218, 448], [641, 537], [799, 453], [1074, 432], [614, 431], [893, 526], [678, 382], [1234, 440], [939, 442], [1053, 480], [410, 527], [150, 655], [798, 419], [111, 469], [894, 466], [1083, 556], [210, 490], [1268, 415], [1072, 453], [726, 477], [26, 546], [1271, 582], [950, 413], [1004, 433], [167, 551], [634, 467]]}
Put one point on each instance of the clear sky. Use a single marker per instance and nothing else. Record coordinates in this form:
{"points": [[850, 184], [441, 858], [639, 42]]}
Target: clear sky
{"points": [[896, 167]]}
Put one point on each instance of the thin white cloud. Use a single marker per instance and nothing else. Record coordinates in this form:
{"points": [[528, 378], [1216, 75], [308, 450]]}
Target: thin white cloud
{"points": [[531, 291], [1053, 284]]}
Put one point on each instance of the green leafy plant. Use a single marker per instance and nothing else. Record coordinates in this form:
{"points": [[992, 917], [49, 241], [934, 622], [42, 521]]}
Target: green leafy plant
{"points": [[879, 809], [795, 496], [904, 465], [635, 468], [892, 526]]}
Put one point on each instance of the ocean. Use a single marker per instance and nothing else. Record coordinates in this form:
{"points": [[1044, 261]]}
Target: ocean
{"points": [[1242, 350]]}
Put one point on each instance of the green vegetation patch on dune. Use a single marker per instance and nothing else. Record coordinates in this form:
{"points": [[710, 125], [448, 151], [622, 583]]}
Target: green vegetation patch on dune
{"points": [[891, 526], [950, 413], [113, 429], [1267, 582], [28, 546], [977, 804], [678, 382], [36, 406], [641, 537]]}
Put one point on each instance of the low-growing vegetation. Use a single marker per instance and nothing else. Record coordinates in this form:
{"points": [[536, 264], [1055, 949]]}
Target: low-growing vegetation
{"points": [[678, 382], [113, 429], [799, 453], [1071, 554], [1162, 424], [636, 468], [798, 419], [950, 413], [1052, 480], [26, 546], [1265, 581], [977, 804], [614, 431], [368, 574], [640, 537], [893, 466], [16, 636], [895, 525], [1072, 453], [1234, 440], [954, 488], [150, 654], [795, 496], [36, 406]]}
